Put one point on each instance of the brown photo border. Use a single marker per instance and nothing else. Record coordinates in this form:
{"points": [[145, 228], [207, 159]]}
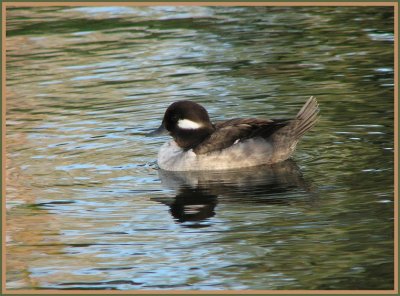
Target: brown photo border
{"points": [[8, 4]]}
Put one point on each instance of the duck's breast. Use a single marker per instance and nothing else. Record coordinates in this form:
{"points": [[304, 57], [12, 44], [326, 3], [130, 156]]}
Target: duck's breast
{"points": [[251, 152]]}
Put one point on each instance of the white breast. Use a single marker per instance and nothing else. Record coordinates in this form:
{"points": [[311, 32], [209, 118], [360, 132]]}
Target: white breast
{"points": [[243, 154]]}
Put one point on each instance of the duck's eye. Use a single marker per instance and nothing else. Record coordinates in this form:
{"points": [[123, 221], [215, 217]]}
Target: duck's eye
{"points": [[175, 118]]}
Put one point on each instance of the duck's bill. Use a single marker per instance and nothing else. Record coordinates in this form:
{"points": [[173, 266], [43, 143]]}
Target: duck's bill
{"points": [[158, 132]]}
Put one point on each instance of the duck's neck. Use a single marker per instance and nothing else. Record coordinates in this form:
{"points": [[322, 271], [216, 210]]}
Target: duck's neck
{"points": [[188, 139]]}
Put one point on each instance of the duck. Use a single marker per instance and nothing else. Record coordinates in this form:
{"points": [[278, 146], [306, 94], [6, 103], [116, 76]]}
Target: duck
{"points": [[199, 145]]}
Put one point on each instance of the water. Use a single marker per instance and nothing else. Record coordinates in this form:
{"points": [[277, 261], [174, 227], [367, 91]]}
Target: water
{"points": [[87, 207]]}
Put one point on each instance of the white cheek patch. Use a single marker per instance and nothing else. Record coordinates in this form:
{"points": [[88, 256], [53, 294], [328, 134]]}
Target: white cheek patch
{"points": [[188, 124]]}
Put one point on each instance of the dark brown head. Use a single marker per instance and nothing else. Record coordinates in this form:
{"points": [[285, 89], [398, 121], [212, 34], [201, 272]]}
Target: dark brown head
{"points": [[187, 122]]}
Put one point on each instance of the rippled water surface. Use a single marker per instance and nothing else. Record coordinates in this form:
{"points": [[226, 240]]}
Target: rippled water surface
{"points": [[87, 207]]}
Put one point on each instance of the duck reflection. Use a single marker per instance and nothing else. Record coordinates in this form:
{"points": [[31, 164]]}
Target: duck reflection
{"points": [[197, 193]]}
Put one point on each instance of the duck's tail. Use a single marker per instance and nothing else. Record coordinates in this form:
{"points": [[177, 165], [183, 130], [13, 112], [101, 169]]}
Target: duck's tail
{"points": [[306, 118], [285, 139]]}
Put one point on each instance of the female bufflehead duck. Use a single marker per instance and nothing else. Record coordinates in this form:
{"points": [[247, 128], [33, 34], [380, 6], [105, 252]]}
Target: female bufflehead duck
{"points": [[241, 142]]}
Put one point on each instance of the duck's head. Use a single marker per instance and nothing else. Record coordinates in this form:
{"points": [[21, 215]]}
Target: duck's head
{"points": [[187, 122]]}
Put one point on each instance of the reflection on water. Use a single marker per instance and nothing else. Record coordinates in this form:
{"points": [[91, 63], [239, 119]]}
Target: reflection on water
{"points": [[87, 207], [197, 192]]}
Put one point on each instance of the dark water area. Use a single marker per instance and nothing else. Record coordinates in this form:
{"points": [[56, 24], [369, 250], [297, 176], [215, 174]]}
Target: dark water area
{"points": [[87, 206]]}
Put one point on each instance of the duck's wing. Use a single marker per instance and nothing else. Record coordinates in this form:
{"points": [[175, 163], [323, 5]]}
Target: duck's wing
{"points": [[235, 130]]}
